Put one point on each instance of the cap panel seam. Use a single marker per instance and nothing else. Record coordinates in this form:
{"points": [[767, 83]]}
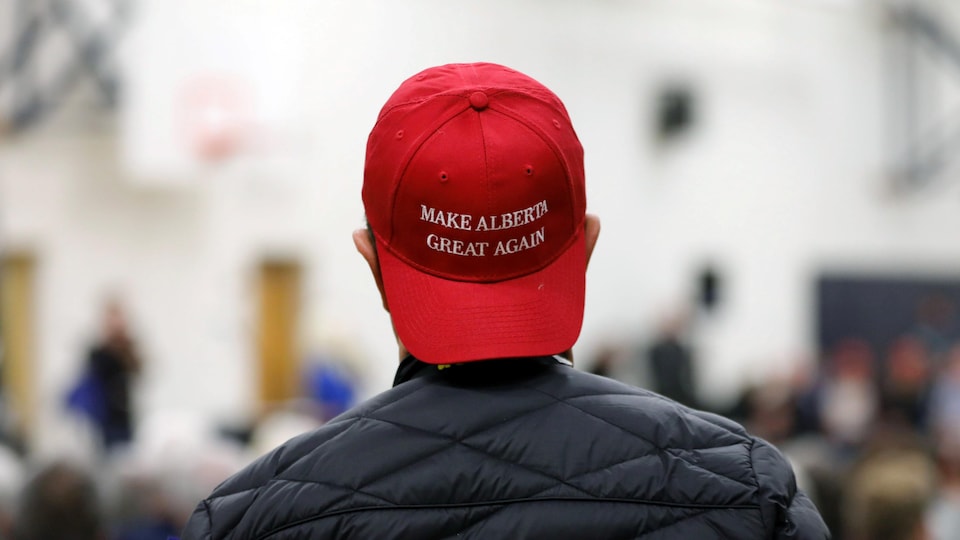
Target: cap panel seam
{"points": [[405, 164], [486, 165], [532, 92], [557, 153]]}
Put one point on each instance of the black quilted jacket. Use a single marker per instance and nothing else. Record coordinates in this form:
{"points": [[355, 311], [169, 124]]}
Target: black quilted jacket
{"points": [[508, 450]]}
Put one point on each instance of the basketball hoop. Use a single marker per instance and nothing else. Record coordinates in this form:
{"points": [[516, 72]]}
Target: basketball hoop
{"points": [[215, 117]]}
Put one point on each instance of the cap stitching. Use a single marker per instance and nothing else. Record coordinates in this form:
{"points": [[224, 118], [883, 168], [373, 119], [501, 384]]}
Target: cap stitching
{"points": [[407, 159], [559, 155], [486, 169], [535, 93], [485, 277], [429, 133]]}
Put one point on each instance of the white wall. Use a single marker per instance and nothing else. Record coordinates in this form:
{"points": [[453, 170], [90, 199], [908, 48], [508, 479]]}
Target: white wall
{"points": [[783, 177]]}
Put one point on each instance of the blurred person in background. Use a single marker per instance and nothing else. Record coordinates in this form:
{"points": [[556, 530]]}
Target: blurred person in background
{"points": [[888, 496], [944, 428], [605, 361], [833, 411], [905, 391], [60, 503], [945, 395], [670, 361], [944, 514], [11, 484], [152, 487], [937, 325], [846, 398], [478, 242], [112, 364], [770, 411], [331, 383]]}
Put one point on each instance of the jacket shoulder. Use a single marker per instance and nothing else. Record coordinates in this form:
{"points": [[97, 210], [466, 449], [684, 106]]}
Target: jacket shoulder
{"points": [[675, 425], [217, 516], [787, 512]]}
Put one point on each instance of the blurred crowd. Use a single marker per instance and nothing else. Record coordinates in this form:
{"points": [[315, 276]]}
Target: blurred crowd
{"points": [[144, 489], [873, 433], [117, 478], [872, 430]]}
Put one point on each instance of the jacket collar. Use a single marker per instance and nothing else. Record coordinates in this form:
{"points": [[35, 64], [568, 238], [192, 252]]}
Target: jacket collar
{"points": [[412, 368]]}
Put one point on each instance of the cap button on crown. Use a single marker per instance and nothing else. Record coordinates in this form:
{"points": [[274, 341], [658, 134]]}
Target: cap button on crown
{"points": [[478, 100]]}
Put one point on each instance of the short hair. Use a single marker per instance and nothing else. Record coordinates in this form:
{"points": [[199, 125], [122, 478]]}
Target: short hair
{"points": [[59, 502], [888, 495]]}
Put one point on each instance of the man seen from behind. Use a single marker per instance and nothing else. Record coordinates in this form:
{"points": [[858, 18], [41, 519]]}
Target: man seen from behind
{"points": [[478, 242]]}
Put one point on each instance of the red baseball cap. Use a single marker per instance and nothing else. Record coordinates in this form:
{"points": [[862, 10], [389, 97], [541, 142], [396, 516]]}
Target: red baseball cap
{"points": [[474, 190]]}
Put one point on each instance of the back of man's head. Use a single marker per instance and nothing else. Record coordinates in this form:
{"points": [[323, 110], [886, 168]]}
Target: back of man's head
{"points": [[474, 190], [888, 496], [60, 502]]}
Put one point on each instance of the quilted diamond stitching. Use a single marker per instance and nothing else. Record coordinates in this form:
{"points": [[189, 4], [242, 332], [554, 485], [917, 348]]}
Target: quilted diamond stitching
{"points": [[625, 430], [455, 441]]}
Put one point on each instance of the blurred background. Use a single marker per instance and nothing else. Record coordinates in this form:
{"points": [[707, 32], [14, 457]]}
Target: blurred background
{"points": [[179, 179]]}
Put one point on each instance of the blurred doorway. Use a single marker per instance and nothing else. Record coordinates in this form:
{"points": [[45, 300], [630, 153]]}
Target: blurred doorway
{"points": [[17, 333], [278, 291]]}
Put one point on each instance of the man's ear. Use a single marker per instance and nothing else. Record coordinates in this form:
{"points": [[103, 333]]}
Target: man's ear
{"points": [[591, 231], [363, 240]]}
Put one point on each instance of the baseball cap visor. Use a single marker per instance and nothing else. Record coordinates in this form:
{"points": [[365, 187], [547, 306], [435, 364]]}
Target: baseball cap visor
{"points": [[442, 321]]}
